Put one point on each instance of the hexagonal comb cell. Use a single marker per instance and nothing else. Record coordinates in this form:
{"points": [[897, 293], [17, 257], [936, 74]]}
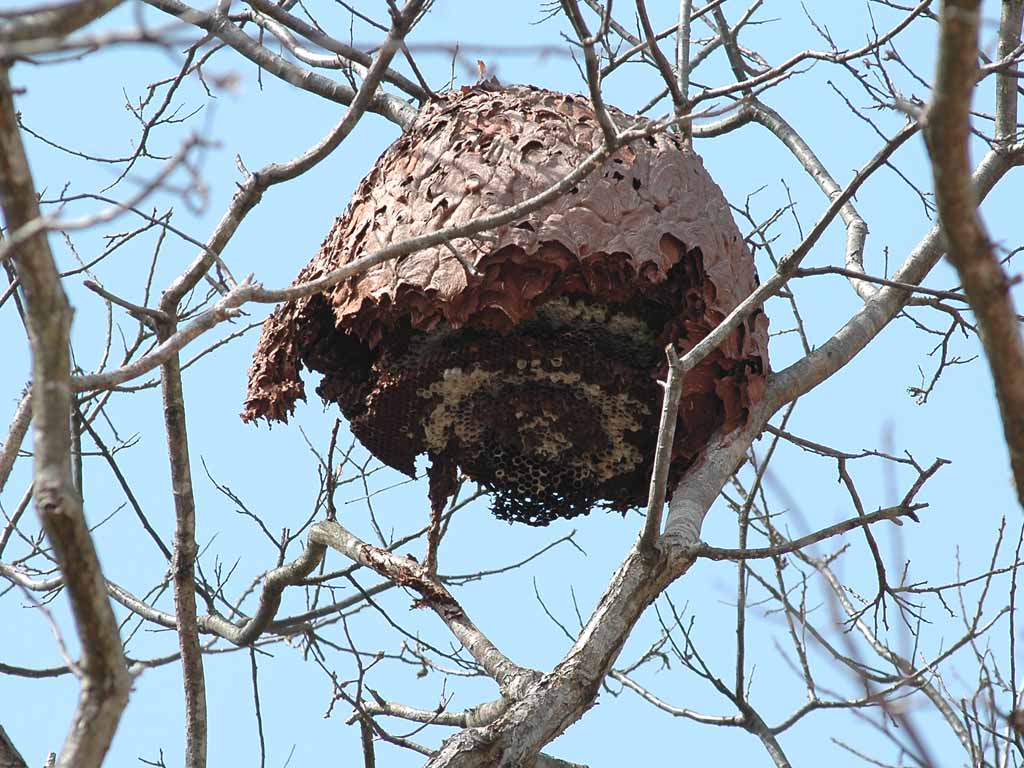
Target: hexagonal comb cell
{"points": [[536, 374]]}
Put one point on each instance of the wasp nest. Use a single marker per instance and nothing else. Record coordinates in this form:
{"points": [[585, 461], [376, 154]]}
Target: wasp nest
{"points": [[535, 373]]}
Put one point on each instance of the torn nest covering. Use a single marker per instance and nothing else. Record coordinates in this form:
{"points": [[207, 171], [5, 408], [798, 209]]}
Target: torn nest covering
{"points": [[535, 372]]}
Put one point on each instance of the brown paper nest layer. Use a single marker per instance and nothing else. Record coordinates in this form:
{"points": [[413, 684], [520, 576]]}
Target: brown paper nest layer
{"points": [[537, 376]]}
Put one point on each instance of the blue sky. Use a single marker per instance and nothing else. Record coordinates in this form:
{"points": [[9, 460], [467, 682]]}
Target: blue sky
{"points": [[81, 104]]}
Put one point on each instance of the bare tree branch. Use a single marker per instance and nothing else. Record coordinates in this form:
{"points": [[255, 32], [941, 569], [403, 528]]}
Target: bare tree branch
{"points": [[222, 27], [849, 340], [673, 387], [985, 283], [54, 22], [104, 675], [15, 435], [317, 36], [184, 562], [512, 678], [593, 67], [892, 513], [788, 265]]}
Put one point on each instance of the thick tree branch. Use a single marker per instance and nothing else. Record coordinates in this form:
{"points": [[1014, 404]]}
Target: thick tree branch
{"points": [[104, 675], [559, 698], [683, 62], [184, 562], [1008, 82], [563, 695], [948, 132], [52, 22]]}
